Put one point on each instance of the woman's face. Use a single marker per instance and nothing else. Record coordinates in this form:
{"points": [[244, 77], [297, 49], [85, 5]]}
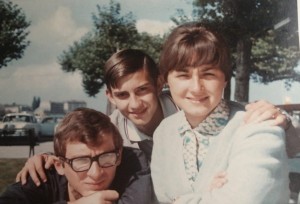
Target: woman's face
{"points": [[197, 91]]}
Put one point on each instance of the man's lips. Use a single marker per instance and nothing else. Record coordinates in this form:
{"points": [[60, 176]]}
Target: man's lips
{"points": [[95, 185], [138, 113]]}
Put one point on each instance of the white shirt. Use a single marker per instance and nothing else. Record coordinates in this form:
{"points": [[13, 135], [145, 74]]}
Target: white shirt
{"points": [[130, 134]]}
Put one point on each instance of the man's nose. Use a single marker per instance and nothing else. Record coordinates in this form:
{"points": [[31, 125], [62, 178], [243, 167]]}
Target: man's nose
{"points": [[134, 102], [95, 171]]}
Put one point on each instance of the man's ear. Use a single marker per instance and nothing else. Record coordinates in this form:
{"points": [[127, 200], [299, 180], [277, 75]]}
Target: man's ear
{"points": [[59, 166], [225, 84], [120, 157], [110, 97]]}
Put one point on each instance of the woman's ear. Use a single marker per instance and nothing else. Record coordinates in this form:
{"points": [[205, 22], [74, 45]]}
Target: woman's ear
{"points": [[110, 97], [59, 166]]}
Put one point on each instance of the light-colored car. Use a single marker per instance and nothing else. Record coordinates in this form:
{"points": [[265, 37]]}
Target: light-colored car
{"points": [[49, 123], [19, 124]]}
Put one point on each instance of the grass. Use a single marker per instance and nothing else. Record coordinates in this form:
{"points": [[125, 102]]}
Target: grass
{"points": [[8, 171]]}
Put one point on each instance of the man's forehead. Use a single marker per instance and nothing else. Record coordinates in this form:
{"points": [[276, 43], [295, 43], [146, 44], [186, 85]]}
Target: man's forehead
{"points": [[133, 86], [76, 148], [129, 82], [203, 67]]}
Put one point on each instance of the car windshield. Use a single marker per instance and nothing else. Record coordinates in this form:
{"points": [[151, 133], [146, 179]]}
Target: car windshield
{"points": [[17, 118]]}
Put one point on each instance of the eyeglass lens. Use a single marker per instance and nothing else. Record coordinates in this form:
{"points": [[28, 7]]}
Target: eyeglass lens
{"points": [[104, 160]]}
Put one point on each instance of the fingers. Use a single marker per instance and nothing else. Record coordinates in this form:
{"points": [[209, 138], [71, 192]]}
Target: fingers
{"points": [[260, 111], [221, 174], [19, 175], [219, 181], [33, 167], [105, 196], [109, 195], [280, 120], [49, 160]]}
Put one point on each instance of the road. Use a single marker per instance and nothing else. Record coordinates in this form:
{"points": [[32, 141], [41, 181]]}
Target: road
{"points": [[23, 151]]}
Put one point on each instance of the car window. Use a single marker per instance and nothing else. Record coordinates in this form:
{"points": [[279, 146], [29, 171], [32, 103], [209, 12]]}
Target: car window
{"points": [[24, 118], [19, 118], [48, 120], [7, 119], [59, 120], [52, 120], [11, 118]]}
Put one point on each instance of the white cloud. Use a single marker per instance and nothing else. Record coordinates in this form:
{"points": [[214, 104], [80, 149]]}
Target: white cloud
{"points": [[60, 27], [56, 24], [154, 27]]}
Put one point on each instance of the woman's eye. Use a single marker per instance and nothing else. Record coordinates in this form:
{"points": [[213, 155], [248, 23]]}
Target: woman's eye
{"points": [[143, 89], [209, 74], [182, 75]]}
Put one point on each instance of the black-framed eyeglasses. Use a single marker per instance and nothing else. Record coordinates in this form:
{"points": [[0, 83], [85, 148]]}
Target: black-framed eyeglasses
{"points": [[104, 160]]}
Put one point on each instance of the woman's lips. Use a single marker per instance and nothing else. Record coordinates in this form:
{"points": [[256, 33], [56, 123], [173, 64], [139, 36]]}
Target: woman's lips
{"points": [[197, 99]]}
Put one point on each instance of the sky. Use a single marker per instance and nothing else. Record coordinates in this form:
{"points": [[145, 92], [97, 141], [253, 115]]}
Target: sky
{"points": [[56, 24]]}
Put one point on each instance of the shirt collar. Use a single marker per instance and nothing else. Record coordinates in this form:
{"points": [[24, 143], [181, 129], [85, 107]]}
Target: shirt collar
{"points": [[168, 107], [211, 125]]}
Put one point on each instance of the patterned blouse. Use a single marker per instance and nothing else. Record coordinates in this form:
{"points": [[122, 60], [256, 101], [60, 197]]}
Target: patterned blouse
{"points": [[196, 141]]}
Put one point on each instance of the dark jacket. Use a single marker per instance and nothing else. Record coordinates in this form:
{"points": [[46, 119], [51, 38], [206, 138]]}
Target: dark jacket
{"points": [[132, 182]]}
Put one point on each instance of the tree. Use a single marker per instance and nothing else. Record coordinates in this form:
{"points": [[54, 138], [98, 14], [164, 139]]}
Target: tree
{"points": [[112, 32], [13, 25], [35, 103], [251, 27]]}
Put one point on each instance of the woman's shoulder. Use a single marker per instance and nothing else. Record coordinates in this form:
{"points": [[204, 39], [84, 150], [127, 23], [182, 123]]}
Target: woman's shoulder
{"points": [[171, 121], [173, 118], [168, 126]]}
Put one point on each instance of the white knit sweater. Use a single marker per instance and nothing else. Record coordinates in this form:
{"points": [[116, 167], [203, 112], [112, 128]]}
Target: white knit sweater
{"points": [[253, 156]]}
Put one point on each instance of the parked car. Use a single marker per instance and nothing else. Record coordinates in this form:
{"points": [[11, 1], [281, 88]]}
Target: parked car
{"points": [[19, 124], [49, 123]]}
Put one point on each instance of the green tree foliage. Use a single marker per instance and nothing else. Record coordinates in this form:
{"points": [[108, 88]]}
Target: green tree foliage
{"points": [[261, 50], [112, 32], [151, 44], [13, 25], [35, 103]]}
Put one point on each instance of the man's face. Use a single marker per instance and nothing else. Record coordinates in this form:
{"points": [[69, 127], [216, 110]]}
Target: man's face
{"points": [[96, 178], [136, 97]]}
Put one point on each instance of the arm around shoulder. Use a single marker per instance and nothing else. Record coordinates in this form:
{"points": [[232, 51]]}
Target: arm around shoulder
{"points": [[292, 141]]}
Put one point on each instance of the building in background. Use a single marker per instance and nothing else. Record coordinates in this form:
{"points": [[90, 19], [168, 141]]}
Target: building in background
{"points": [[15, 108], [73, 104], [47, 108]]}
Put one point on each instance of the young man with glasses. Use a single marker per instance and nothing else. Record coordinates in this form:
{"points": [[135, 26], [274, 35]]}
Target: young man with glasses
{"points": [[91, 166]]}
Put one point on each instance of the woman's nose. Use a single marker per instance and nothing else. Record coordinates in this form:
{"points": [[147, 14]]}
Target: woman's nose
{"points": [[196, 84]]}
